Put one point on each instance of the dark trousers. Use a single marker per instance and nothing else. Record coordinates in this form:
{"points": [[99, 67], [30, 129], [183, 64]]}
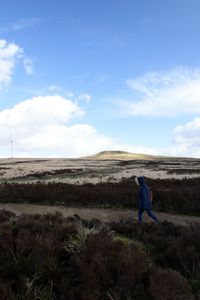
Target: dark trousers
{"points": [[149, 212]]}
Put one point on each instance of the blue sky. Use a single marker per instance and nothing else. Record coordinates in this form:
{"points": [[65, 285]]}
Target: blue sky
{"points": [[78, 77]]}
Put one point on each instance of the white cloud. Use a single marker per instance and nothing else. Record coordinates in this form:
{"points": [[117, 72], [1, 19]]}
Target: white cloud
{"points": [[187, 139], [188, 133], [165, 94], [40, 111], [9, 53], [41, 127]]}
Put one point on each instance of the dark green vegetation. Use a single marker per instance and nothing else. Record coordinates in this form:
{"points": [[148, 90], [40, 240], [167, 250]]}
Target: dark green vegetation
{"points": [[50, 257], [176, 196]]}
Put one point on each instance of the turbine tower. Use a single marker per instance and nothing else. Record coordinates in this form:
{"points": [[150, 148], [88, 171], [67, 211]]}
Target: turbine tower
{"points": [[11, 146]]}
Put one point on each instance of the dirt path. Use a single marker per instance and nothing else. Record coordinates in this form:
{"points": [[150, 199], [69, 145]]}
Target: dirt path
{"points": [[105, 215]]}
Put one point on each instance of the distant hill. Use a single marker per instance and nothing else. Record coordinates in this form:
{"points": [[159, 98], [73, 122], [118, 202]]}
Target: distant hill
{"points": [[120, 155], [124, 155]]}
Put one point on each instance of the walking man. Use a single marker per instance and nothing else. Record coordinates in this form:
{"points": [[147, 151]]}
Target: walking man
{"points": [[145, 199]]}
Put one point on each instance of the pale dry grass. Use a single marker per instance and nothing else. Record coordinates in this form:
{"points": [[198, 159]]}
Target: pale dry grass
{"points": [[94, 170]]}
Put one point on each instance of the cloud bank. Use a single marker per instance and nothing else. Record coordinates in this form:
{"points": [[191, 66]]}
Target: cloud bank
{"points": [[41, 126], [48, 126]]}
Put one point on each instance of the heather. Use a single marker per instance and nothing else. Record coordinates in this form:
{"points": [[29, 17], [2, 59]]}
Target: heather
{"points": [[170, 195], [52, 257]]}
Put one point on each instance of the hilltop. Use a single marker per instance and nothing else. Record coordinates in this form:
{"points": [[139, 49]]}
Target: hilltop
{"points": [[120, 155]]}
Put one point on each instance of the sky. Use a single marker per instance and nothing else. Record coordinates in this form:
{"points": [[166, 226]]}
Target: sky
{"points": [[78, 77]]}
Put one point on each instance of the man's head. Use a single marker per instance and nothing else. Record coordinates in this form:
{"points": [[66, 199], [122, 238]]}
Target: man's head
{"points": [[139, 180]]}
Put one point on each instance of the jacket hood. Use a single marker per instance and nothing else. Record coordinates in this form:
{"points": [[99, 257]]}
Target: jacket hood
{"points": [[141, 180]]}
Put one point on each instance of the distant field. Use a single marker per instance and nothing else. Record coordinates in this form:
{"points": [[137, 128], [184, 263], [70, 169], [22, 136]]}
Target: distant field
{"points": [[104, 167]]}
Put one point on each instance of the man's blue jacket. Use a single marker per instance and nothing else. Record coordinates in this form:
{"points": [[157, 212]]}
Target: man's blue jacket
{"points": [[144, 194]]}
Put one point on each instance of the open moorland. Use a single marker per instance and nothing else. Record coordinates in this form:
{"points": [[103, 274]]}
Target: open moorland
{"points": [[68, 229], [107, 166], [105, 180]]}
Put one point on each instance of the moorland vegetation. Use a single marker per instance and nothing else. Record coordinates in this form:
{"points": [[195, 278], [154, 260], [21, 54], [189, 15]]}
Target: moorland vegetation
{"points": [[52, 257], [170, 195]]}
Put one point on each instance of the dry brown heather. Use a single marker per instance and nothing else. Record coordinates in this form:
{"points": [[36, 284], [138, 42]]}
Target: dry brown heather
{"points": [[52, 257], [107, 166]]}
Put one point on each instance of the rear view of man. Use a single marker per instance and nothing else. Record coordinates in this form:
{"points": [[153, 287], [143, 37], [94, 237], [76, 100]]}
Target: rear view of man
{"points": [[145, 199]]}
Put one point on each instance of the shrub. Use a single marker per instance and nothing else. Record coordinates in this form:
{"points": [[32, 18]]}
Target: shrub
{"points": [[111, 264]]}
